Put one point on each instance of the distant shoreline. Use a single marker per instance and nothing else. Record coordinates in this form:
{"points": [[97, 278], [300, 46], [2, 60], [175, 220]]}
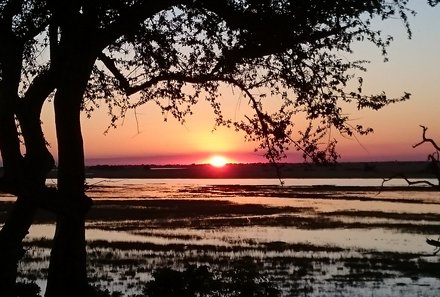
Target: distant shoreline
{"points": [[416, 169], [409, 169]]}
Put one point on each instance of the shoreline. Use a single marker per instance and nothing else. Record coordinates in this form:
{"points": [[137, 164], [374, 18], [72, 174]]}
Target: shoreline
{"points": [[348, 170], [416, 169]]}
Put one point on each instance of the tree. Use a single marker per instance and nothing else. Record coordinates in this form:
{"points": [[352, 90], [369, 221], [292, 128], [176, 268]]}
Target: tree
{"points": [[24, 177], [173, 53]]}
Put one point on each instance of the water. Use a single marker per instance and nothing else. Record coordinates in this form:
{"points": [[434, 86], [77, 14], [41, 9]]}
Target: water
{"points": [[372, 182], [331, 234]]}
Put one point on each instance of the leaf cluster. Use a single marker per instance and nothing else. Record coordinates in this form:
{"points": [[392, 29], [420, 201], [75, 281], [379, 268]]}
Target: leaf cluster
{"points": [[176, 53]]}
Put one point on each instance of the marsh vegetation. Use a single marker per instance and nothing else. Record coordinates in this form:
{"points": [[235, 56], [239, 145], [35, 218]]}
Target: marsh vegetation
{"points": [[277, 241]]}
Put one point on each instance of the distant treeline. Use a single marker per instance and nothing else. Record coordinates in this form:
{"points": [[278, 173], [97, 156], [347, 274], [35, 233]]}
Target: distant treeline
{"points": [[415, 169], [265, 170]]}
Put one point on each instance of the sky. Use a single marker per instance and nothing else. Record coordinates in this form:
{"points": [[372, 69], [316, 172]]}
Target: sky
{"points": [[414, 67]]}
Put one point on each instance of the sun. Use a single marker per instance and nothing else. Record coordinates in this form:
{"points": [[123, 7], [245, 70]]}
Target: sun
{"points": [[218, 161]]}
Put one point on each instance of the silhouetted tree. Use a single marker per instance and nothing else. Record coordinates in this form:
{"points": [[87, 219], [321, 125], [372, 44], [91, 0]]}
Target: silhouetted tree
{"points": [[88, 53], [23, 176]]}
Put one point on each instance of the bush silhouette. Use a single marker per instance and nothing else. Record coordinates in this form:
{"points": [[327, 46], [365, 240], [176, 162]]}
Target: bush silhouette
{"points": [[27, 290], [242, 279]]}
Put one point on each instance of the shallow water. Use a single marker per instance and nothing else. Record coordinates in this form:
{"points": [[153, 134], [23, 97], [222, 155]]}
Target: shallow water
{"points": [[332, 234]]}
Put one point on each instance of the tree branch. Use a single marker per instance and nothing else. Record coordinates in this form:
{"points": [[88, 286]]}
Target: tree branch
{"points": [[40, 88], [260, 39], [424, 139], [110, 64], [410, 182], [129, 18], [130, 90], [434, 158]]}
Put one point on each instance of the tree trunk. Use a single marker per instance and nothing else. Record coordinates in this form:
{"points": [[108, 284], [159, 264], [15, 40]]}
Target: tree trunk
{"points": [[28, 183], [10, 148], [21, 216], [67, 270], [38, 160], [10, 61], [11, 236], [11, 233]]}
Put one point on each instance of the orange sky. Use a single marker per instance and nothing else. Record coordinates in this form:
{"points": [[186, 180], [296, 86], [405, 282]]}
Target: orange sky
{"points": [[414, 67]]}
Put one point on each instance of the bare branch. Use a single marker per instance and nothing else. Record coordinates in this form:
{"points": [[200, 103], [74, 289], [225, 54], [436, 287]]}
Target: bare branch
{"points": [[434, 159], [424, 139], [410, 182]]}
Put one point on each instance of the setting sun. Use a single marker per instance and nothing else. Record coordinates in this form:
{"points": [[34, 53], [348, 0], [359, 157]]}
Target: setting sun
{"points": [[218, 161]]}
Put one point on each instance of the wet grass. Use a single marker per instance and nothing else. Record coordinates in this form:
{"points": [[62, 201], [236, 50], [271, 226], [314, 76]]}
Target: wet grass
{"points": [[295, 269], [434, 217], [358, 193], [304, 269], [135, 215], [215, 214]]}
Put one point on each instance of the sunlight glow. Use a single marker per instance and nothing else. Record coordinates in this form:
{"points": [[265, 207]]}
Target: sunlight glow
{"points": [[218, 161]]}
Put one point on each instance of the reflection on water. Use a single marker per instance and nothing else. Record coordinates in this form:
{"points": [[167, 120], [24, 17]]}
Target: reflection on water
{"points": [[357, 182], [356, 239], [311, 240]]}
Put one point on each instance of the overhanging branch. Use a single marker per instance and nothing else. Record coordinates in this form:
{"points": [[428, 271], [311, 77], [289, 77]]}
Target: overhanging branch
{"points": [[110, 64]]}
